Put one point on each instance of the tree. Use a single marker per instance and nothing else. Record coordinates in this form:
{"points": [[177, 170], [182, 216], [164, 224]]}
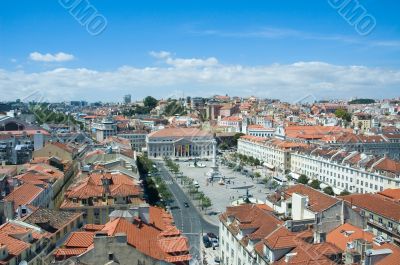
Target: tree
{"points": [[362, 101], [328, 190], [345, 193], [236, 137], [315, 184], [150, 102], [257, 175], [343, 114], [303, 179], [174, 108], [206, 203], [223, 146]]}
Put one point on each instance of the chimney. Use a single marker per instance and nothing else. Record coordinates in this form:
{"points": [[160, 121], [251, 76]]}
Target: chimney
{"points": [[144, 213]]}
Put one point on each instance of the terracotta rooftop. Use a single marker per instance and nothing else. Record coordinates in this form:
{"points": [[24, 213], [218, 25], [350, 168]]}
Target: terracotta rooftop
{"points": [[9, 233], [388, 165], [159, 239], [251, 216], [348, 233], [393, 194], [24, 194], [375, 203], [312, 132], [281, 238], [318, 201], [92, 186], [179, 132], [51, 220]]}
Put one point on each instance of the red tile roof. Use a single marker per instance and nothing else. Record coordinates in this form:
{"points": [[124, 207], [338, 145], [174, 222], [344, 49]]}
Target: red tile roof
{"points": [[246, 216], [179, 132], [15, 246], [79, 240], [393, 194], [159, 239], [348, 233], [24, 194], [318, 201], [92, 186], [388, 165], [281, 238], [375, 203]]}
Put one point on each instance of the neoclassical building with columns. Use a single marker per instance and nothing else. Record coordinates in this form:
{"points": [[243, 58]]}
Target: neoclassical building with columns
{"points": [[179, 142]]}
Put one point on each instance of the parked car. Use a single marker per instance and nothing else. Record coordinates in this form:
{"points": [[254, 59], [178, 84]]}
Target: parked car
{"points": [[215, 243], [207, 242], [211, 235]]}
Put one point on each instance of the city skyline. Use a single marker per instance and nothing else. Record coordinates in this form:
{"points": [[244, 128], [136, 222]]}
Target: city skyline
{"points": [[287, 51]]}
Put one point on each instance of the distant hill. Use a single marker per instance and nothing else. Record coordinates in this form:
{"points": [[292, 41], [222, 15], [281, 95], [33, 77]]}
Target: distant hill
{"points": [[362, 101]]}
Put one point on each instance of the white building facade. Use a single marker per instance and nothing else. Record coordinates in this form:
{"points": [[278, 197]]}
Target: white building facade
{"points": [[343, 170], [179, 142]]}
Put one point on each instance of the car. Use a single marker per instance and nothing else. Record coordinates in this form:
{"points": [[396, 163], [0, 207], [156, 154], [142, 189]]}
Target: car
{"points": [[217, 260], [186, 204], [211, 235], [207, 242], [214, 243]]}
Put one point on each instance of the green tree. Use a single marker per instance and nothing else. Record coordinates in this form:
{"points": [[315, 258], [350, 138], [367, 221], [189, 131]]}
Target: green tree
{"points": [[315, 184], [223, 146], [236, 137], [362, 101], [343, 114], [345, 193], [257, 175], [150, 102], [206, 203], [328, 190], [174, 108], [303, 179]]}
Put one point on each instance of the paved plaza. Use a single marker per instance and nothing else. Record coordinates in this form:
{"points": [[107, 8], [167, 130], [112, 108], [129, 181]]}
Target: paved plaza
{"points": [[223, 195]]}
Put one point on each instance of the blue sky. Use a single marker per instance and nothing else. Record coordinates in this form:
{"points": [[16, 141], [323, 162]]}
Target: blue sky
{"points": [[305, 47]]}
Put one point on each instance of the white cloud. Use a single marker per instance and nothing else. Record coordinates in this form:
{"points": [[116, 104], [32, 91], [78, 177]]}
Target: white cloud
{"points": [[193, 62], [48, 57], [204, 77], [181, 62], [160, 54]]}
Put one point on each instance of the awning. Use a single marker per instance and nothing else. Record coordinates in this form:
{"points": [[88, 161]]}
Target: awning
{"points": [[323, 185], [337, 191], [294, 175], [269, 165]]}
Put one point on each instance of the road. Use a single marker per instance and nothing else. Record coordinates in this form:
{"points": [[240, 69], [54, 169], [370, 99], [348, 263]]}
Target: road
{"points": [[187, 219]]}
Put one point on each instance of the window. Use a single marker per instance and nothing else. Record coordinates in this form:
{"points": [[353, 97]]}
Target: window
{"points": [[380, 220]]}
